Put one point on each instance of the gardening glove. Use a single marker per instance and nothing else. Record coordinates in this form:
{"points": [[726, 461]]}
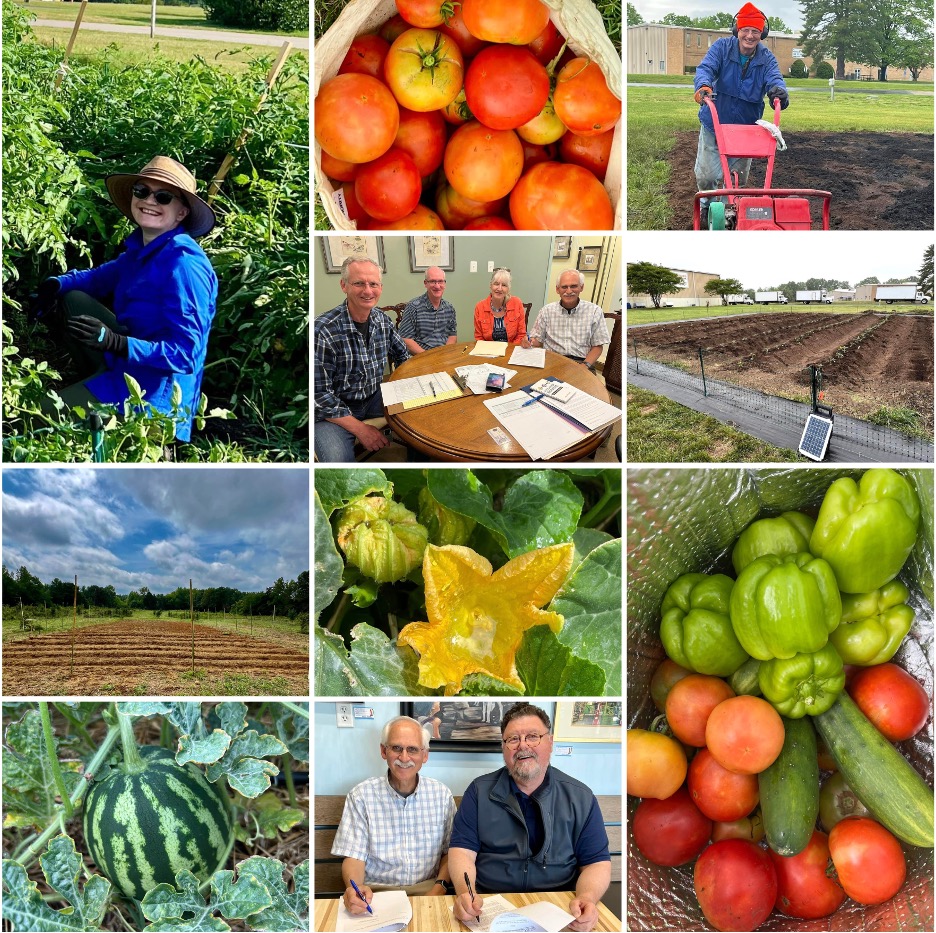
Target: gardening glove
{"points": [[703, 91], [778, 93], [96, 335], [42, 301]]}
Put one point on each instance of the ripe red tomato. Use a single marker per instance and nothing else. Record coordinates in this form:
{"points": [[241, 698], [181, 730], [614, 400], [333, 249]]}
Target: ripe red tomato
{"points": [[393, 27], [667, 674], [804, 887], [424, 69], [838, 801], [356, 118], [591, 152], [517, 22], [483, 164], [423, 136], [365, 56], [672, 831], [692, 699], [427, 14], [457, 211], [353, 207], [506, 87], [420, 219], [892, 699], [656, 764], [389, 187], [583, 100], [745, 734], [868, 860], [455, 28], [719, 793], [338, 169], [547, 44], [736, 885], [556, 196], [489, 223]]}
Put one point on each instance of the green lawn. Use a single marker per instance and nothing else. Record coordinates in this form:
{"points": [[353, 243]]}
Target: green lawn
{"points": [[663, 315], [795, 82], [662, 431]]}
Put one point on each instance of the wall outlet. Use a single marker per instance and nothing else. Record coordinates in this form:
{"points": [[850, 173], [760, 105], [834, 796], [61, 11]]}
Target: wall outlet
{"points": [[344, 716], [490, 265], [473, 266]]}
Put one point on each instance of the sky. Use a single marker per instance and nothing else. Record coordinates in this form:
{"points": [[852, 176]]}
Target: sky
{"points": [[129, 528], [787, 10], [765, 258]]}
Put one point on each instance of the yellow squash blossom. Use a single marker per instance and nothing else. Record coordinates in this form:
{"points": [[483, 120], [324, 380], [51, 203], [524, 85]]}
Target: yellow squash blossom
{"points": [[477, 617]]}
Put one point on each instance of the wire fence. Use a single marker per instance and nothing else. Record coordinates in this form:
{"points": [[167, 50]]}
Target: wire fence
{"points": [[690, 374]]}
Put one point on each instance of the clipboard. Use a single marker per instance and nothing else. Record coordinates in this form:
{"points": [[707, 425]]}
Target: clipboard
{"points": [[460, 390]]}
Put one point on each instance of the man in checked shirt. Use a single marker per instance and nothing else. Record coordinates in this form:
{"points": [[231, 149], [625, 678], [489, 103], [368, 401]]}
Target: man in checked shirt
{"points": [[394, 831], [571, 326]]}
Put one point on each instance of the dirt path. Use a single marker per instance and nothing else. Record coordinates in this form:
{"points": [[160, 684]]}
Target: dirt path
{"points": [[878, 181]]}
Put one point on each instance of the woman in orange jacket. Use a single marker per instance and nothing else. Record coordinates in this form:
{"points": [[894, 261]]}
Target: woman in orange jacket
{"points": [[500, 316]]}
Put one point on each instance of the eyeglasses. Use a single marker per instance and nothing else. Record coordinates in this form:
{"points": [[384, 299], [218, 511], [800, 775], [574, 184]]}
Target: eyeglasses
{"points": [[366, 284], [533, 739], [501, 269], [410, 750], [142, 192], [434, 281]]}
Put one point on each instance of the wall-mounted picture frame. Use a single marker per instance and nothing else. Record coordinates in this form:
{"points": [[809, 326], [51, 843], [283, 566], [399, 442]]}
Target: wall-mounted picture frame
{"points": [[588, 258], [588, 721], [460, 725], [336, 248], [431, 250], [562, 247]]}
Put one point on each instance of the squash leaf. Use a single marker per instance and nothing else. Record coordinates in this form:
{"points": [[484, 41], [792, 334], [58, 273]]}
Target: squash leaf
{"points": [[328, 562], [24, 908], [336, 488], [548, 668], [288, 911], [585, 541]]}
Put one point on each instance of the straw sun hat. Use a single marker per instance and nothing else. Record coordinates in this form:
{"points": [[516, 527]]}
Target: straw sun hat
{"points": [[166, 171]]}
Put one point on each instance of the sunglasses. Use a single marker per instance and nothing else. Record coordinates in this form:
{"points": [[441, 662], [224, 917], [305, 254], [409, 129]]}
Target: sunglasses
{"points": [[142, 192]]}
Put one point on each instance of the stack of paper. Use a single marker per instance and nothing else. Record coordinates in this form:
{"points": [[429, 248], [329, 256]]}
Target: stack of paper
{"points": [[490, 348], [419, 390], [499, 914], [391, 911], [535, 356], [475, 377]]}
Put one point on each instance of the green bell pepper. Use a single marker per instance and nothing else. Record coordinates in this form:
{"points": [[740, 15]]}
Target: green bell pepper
{"points": [[866, 530], [788, 533], [873, 624], [696, 628], [806, 684], [782, 606]]}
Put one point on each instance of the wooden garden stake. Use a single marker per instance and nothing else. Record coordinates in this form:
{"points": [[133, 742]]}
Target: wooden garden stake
{"points": [[71, 672], [71, 42], [191, 598], [229, 158]]}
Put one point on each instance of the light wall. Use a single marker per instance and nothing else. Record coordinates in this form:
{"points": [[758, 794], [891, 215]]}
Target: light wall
{"points": [[345, 757]]}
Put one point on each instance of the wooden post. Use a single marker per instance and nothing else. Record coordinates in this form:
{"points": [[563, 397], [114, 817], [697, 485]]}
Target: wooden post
{"points": [[71, 42], [71, 672], [192, 613], [229, 158]]}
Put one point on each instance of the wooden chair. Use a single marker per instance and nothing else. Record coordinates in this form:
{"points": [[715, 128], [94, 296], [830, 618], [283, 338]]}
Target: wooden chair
{"points": [[397, 312], [527, 306], [612, 363]]}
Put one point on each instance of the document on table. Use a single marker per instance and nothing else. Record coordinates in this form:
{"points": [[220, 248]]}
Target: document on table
{"points": [[591, 412], [536, 427], [419, 390], [490, 348], [499, 914], [476, 376], [392, 911], [534, 356]]}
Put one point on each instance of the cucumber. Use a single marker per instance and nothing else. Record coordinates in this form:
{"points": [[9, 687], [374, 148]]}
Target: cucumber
{"points": [[744, 680], [885, 782], [789, 789]]}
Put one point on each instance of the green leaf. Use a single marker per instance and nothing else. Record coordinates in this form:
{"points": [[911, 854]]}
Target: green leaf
{"points": [[244, 764], [336, 488], [268, 816], [233, 717], [187, 718], [590, 602], [406, 483], [329, 565], [144, 708], [540, 509], [203, 751], [548, 668], [293, 730], [373, 667], [364, 592], [481, 685], [585, 541], [24, 908], [288, 911]]}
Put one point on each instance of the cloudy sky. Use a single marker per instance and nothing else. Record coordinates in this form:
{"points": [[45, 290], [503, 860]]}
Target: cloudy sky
{"points": [[654, 10], [129, 528], [768, 258]]}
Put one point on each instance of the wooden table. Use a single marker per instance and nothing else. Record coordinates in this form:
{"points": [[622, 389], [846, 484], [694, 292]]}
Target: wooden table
{"points": [[434, 914], [457, 429]]}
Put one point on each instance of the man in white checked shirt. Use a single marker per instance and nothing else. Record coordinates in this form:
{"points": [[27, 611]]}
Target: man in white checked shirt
{"points": [[395, 829], [571, 326]]}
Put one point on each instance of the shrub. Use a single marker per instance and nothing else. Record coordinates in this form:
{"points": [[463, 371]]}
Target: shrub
{"points": [[798, 69], [824, 70], [280, 15]]}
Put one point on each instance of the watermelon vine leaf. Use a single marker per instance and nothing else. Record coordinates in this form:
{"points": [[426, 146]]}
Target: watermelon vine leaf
{"points": [[293, 730], [288, 911], [267, 816], [24, 908], [203, 751], [244, 764]]}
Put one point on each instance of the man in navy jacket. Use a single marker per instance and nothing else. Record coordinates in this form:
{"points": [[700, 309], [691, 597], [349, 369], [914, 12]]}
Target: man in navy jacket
{"points": [[738, 71]]}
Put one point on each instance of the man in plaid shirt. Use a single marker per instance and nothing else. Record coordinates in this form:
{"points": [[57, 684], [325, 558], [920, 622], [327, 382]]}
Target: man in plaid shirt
{"points": [[571, 326], [429, 320], [352, 344]]}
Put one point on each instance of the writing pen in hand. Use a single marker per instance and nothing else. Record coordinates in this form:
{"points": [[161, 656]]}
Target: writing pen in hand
{"points": [[357, 891], [470, 892]]}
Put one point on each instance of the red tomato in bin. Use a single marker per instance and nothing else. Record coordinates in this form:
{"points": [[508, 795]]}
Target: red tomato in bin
{"points": [[455, 28], [365, 56], [517, 22], [423, 136], [356, 118], [457, 211], [427, 14], [806, 889], [583, 100], [533, 154], [489, 223], [482, 163], [393, 27], [690, 703], [735, 884], [338, 169], [506, 87], [892, 699], [670, 832], [389, 187], [744, 734], [547, 44], [555, 196], [591, 152], [722, 795], [420, 219], [868, 860]]}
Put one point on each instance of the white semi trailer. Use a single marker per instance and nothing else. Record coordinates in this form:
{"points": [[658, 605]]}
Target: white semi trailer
{"points": [[770, 298], [739, 299], [892, 293], [817, 295]]}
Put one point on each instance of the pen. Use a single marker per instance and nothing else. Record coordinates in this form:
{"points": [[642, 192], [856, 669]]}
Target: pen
{"points": [[470, 892], [431, 386], [357, 891]]}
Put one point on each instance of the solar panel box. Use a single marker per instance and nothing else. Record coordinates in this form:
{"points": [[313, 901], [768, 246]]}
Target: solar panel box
{"points": [[816, 435]]}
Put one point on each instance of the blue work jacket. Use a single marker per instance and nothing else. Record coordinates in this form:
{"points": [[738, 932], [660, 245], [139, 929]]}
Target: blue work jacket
{"points": [[739, 96], [164, 295]]}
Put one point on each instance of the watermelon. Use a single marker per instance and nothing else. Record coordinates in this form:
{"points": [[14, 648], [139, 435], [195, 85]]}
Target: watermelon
{"points": [[143, 826]]}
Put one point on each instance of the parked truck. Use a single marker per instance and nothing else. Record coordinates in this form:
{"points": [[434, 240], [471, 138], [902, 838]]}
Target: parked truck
{"points": [[818, 295], [770, 298], [892, 293], [739, 299]]}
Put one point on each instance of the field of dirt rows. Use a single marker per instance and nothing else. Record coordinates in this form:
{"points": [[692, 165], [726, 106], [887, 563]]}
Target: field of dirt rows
{"points": [[121, 657]]}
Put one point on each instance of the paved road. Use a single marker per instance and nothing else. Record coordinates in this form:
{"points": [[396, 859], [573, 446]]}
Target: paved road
{"points": [[852, 87], [208, 35]]}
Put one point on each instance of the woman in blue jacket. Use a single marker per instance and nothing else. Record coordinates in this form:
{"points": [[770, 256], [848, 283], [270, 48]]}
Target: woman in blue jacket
{"points": [[737, 72], [160, 292]]}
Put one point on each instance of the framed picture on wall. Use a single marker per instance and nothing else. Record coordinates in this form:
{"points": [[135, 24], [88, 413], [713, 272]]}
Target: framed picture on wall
{"points": [[431, 250], [460, 725], [588, 258], [339, 247], [588, 721], [562, 247]]}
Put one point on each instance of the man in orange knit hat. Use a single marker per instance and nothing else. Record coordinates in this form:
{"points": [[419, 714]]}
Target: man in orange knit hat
{"points": [[737, 72]]}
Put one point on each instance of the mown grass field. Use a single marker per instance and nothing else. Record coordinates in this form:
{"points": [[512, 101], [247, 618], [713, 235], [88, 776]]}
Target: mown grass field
{"points": [[797, 82], [664, 315]]}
